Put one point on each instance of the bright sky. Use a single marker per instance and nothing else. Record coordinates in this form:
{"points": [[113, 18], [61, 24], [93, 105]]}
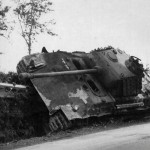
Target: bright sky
{"points": [[87, 24]]}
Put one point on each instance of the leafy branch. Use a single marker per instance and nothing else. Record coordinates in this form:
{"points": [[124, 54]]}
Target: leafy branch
{"points": [[30, 15]]}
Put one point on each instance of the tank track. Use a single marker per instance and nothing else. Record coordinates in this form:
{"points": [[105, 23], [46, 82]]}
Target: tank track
{"points": [[58, 121]]}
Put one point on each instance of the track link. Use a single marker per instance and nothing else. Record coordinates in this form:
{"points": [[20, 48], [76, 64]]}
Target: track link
{"points": [[58, 121]]}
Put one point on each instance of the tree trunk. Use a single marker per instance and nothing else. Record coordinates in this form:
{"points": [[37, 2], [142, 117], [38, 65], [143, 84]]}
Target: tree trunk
{"points": [[30, 42], [29, 48]]}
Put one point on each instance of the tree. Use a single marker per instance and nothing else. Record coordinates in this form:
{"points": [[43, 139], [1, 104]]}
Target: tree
{"points": [[3, 25], [30, 16]]}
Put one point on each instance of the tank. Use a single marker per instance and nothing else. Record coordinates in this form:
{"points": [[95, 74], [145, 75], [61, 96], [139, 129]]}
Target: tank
{"points": [[78, 85]]}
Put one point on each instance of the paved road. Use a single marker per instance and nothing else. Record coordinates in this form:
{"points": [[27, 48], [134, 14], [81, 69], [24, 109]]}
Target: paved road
{"points": [[128, 138]]}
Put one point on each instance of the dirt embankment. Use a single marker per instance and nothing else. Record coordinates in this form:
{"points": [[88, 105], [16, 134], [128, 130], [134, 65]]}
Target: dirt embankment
{"points": [[91, 126]]}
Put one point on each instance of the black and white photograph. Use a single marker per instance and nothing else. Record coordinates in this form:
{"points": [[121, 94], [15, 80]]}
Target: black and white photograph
{"points": [[74, 75]]}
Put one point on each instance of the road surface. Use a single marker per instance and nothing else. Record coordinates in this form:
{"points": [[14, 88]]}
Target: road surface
{"points": [[128, 138]]}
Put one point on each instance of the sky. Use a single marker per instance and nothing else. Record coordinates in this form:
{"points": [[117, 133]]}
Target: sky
{"points": [[83, 25]]}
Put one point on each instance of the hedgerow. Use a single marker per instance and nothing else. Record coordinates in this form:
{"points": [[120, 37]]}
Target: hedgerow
{"points": [[23, 115]]}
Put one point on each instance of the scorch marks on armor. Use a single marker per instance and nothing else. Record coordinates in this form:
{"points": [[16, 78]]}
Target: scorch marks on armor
{"points": [[80, 93]]}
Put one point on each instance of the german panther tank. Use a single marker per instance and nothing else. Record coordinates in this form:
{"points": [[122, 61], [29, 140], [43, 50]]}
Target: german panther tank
{"points": [[80, 85]]}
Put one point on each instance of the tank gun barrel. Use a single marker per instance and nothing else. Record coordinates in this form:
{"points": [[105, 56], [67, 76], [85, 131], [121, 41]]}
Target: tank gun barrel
{"points": [[52, 74]]}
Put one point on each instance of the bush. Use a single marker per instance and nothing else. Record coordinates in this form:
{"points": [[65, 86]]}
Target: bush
{"points": [[20, 116]]}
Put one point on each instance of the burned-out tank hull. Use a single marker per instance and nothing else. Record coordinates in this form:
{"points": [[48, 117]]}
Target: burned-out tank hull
{"points": [[81, 85]]}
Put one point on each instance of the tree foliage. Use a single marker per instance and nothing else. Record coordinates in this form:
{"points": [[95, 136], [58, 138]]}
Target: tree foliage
{"points": [[3, 25], [30, 16]]}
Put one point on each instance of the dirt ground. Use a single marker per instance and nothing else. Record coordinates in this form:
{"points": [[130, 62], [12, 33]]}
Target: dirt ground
{"points": [[93, 126]]}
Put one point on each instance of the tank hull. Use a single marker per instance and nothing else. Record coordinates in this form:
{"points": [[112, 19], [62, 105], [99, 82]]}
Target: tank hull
{"points": [[72, 88]]}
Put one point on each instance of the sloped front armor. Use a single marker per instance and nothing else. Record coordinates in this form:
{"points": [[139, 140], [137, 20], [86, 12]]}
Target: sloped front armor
{"points": [[78, 96]]}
